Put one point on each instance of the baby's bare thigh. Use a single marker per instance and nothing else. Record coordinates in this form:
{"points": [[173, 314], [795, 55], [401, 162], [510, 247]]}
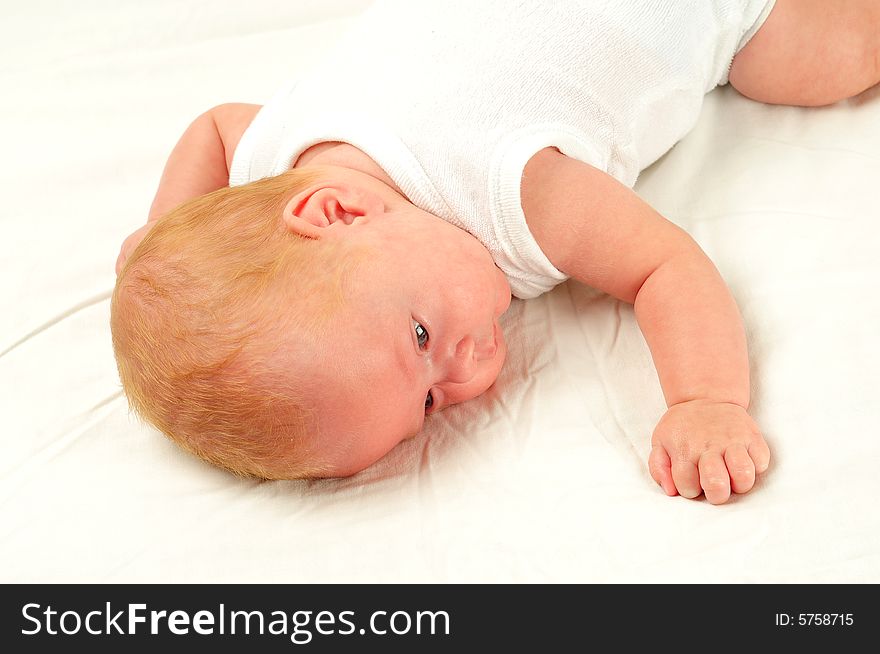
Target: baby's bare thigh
{"points": [[811, 53]]}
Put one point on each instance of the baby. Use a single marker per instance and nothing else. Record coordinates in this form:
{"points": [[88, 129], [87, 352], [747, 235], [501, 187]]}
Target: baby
{"points": [[319, 274]]}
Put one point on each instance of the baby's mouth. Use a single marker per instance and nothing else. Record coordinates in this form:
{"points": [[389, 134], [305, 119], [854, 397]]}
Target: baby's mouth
{"points": [[487, 346]]}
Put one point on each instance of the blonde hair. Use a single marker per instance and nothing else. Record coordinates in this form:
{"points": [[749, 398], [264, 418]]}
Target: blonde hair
{"points": [[200, 315]]}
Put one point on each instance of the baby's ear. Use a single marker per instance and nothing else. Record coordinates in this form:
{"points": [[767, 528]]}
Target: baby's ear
{"points": [[323, 209]]}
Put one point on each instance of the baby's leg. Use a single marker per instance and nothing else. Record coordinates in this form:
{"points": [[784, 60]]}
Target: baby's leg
{"points": [[811, 53]]}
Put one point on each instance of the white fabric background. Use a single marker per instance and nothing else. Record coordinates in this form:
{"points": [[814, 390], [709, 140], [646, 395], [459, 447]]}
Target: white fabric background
{"points": [[542, 479]]}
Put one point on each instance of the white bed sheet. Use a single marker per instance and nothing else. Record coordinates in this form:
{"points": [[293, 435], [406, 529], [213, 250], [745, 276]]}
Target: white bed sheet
{"points": [[542, 479]]}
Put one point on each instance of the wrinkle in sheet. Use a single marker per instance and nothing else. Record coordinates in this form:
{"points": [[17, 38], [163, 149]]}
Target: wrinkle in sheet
{"points": [[697, 220], [622, 442], [85, 304], [119, 567], [14, 477], [817, 149]]}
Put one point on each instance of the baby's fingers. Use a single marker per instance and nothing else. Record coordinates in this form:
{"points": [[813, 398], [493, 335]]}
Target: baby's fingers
{"points": [[660, 468], [130, 243], [686, 477], [760, 454], [741, 468], [714, 478]]}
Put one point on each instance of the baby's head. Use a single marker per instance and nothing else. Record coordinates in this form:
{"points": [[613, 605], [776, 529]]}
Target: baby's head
{"points": [[303, 325]]}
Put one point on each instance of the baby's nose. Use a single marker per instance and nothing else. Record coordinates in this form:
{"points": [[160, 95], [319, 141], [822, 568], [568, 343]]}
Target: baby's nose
{"points": [[468, 352]]}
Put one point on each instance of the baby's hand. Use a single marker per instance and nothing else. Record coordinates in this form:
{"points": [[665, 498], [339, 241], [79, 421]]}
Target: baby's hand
{"points": [[706, 446], [130, 243]]}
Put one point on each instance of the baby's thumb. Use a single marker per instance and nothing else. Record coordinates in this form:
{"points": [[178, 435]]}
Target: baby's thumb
{"points": [[661, 469]]}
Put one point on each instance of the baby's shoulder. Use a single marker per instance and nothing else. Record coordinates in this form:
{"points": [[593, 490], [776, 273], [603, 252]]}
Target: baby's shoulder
{"points": [[553, 182]]}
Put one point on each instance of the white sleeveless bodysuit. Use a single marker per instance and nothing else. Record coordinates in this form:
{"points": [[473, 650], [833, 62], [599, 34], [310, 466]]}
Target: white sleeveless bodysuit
{"points": [[452, 98]]}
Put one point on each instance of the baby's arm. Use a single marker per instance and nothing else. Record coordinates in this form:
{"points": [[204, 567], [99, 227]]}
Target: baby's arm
{"points": [[198, 164], [598, 231]]}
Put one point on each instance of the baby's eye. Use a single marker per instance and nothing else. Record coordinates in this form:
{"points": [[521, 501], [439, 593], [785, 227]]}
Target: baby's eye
{"points": [[421, 334], [429, 401]]}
